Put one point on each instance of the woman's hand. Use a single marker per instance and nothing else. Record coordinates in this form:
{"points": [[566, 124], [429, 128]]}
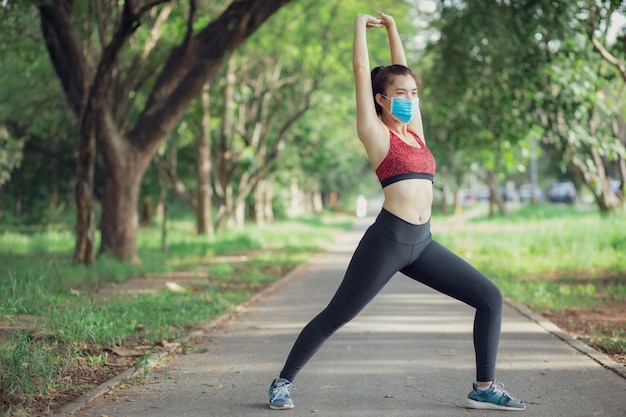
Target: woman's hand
{"points": [[369, 21], [386, 20]]}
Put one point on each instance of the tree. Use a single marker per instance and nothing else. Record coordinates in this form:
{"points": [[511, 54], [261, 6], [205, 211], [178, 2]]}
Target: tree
{"points": [[599, 22], [578, 113], [279, 104], [266, 91], [519, 65], [486, 59], [124, 110], [581, 107]]}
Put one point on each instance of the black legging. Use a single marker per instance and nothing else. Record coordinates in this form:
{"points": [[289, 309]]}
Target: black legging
{"points": [[391, 245]]}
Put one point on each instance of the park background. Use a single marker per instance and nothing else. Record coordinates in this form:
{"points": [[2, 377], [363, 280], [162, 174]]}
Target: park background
{"points": [[198, 150]]}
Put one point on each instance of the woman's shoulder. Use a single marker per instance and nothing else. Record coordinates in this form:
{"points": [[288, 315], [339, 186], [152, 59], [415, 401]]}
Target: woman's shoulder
{"points": [[376, 141]]}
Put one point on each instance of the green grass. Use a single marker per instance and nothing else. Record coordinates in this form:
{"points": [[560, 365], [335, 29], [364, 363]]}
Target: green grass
{"points": [[51, 309], [551, 258], [27, 366]]}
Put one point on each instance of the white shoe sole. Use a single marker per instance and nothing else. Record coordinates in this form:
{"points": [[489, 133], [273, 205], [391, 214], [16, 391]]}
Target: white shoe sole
{"points": [[284, 407], [490, 406]]}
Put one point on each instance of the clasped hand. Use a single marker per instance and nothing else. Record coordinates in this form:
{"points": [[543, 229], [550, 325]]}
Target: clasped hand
{"points": [[384, 20]]}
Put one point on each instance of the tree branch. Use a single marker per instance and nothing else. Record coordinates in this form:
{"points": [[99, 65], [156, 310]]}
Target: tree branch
{"points": [[65, 52], [189, 67], [128, 81], [178, 186], [595, 13], [143, 9], [608, 57], [126, 26], [193, 9]]}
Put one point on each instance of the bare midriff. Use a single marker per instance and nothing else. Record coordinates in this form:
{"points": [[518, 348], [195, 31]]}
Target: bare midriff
{"points": [[411, 200]]}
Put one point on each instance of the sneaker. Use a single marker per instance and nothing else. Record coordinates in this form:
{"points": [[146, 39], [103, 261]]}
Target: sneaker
{"points": [[280, 394], [495, 398]]}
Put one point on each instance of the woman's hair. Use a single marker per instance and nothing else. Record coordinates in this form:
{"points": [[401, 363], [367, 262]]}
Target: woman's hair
{"points": [[382, 77]]}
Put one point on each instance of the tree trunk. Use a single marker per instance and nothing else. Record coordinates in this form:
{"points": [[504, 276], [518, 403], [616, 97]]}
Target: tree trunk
{"points": [[204, 222], [124, 169], [224, 214], [146, 211], [333, 201], [259, 203], [268, 197], [163, 208], [17, 208], [597, 182], [84, 249], [295, 207], [495, 199], [317, 203], [222, 171], [119, 213], [240, 215], [263, 196]]}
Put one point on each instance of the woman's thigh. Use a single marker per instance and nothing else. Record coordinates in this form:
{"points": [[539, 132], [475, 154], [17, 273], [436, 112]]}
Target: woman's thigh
{"points": [[376, 259], [446, 272]]}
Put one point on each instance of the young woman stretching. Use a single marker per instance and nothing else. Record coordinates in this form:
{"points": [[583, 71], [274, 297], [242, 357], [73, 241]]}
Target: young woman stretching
{"points": [[389, 125]]}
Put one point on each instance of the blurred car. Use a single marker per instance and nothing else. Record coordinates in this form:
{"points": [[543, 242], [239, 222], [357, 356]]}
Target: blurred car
{"points": [[561, 192], [483, 194], [616, 187], [509, 194], [527, 192]]}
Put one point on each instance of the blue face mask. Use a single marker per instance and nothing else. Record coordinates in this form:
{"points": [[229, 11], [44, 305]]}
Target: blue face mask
{"points": [[403, 108]]}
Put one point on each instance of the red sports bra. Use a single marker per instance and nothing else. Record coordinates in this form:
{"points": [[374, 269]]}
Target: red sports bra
{"points": [[404, 161]]}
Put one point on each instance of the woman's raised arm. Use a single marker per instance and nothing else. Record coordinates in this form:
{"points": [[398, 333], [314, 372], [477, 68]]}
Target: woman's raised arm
{"points": [[366, 118], [395, 43], [398, 57]]}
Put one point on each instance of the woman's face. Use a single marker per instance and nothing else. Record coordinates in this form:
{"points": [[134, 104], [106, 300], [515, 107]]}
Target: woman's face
{"points": [[400, 86]]}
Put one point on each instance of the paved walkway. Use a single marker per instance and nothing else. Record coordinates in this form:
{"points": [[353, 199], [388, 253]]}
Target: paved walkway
{"points": [[409, 353]]}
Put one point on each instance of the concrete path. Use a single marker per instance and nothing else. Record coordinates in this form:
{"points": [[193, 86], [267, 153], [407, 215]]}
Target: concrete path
{"points": [[409, 353]]}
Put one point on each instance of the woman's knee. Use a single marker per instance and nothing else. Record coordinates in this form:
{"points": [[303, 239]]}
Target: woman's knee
{"points": [[332, 320], [493, 297]]}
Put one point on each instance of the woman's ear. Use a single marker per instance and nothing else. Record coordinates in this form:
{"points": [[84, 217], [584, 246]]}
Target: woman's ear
{"points": [[380, 99]]}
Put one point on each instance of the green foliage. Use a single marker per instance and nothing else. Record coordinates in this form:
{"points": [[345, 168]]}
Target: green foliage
{"points": [[10, 154], [488, 69], [483, 65], [281, 75], [502, 75], [580, 110], [37, 131], [325, 148]]}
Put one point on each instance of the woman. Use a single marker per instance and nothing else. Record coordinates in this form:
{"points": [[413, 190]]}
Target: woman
{"points": [[390, 127]]}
